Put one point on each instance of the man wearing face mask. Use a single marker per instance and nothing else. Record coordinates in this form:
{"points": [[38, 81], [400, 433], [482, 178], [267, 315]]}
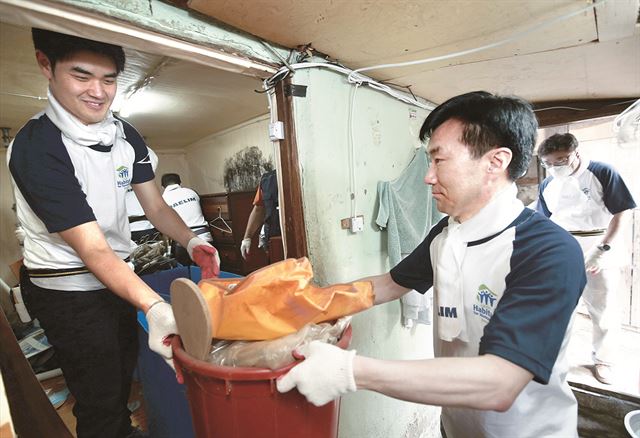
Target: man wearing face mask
{"points": [[589, 199]]}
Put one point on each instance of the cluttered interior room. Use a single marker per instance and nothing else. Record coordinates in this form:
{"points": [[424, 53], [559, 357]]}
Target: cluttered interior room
{"points": [[319, 219]]}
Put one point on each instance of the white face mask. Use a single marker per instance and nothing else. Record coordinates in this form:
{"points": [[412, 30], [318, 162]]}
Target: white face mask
{"points": [[560, 171]]}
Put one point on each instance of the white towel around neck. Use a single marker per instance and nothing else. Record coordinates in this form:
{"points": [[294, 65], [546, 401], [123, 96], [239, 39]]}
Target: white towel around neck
{"points": [[101, 133], [494, 217]]}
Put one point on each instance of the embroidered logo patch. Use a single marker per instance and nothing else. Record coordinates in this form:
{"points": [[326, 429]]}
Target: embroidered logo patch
{"points": [[122, 176], [486, 302]]}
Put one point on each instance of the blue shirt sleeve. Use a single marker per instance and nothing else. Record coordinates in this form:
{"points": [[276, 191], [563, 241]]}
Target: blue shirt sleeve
{"points": [[415, 271], [142, 168], [546, 280], [616, 195], [541, 205], [44, 174]]}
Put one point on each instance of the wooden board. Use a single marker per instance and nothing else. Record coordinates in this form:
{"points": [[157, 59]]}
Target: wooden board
{"points": [[192, 317]]}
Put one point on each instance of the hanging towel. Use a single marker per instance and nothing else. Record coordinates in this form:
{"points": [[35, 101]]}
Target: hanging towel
{"points": [[407, 212]]}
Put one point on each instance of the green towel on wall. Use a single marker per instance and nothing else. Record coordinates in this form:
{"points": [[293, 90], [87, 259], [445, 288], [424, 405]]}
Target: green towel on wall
{"points": [[408, 211]]}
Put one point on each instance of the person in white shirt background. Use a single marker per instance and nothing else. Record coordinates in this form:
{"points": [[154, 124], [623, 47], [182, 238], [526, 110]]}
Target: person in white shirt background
{"points": [[590, 200], [186, 203]]}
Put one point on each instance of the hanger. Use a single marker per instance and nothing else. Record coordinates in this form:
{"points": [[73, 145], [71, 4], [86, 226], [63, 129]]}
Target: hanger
{"points": [[226, 229]]}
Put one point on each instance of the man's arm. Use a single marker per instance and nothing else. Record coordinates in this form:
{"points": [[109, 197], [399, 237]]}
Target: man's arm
{"points": [[385, 289], [615, 224], [89, 243], [256, 219], [163, 217], [485, 382]]}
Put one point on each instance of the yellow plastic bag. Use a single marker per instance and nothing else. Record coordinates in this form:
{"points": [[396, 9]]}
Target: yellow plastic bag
{"points": [[278, 300]]}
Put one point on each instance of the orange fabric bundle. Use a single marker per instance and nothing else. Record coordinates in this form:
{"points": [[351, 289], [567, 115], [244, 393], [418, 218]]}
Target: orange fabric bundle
{"points": [[278, 300]]}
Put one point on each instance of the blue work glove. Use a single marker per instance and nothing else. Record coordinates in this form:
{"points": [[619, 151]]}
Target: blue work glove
{"points": [[324, 375]]}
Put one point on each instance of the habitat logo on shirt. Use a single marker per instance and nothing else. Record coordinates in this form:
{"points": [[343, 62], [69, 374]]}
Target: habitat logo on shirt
{"points": [[486, 302], [122, 176]]}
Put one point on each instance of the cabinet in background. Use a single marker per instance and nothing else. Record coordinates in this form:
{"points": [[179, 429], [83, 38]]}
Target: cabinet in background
{"points": [[227, 215]]}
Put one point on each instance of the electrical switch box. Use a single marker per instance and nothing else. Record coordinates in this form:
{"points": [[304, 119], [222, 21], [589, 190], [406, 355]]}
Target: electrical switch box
{"points": [[357, 224], [276, 131]]}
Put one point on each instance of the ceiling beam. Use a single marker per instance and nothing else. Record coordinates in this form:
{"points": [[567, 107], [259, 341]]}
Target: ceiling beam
{"points": [[559, 112]]}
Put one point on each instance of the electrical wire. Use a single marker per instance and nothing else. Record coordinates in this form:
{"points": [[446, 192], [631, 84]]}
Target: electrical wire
{"points": [[360, 79], [352, 153], [513, 37]]}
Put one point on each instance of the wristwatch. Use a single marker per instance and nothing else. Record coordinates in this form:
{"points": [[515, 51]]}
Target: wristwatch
{"points": [[604, 247]]}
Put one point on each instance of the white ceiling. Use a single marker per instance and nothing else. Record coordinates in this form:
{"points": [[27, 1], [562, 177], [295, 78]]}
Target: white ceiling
{"points": [[183, 103], [591, 55]]}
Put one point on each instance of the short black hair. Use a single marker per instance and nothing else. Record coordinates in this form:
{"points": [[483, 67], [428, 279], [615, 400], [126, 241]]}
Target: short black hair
{"points": [[490, 121], [59, 46], [558, 142], [170, 178]]}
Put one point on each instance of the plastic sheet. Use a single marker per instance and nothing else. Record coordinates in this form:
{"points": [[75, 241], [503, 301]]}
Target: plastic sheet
{"points": [[278, 300], [275, 353]]}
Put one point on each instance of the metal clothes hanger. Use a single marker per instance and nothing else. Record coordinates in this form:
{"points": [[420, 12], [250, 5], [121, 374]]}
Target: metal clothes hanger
{"points": [[226, 229]]}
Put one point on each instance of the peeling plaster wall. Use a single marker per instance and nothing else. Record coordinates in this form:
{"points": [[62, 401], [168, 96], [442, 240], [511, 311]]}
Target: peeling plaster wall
{"points": [[206, 157], [385, 135]]}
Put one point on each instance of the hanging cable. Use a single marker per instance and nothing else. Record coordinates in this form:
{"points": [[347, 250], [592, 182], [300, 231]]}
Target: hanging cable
{"points": [[352, 152], [513, 37], [358, 78]]}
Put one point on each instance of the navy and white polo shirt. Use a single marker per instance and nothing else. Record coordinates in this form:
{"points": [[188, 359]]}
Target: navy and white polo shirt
{"points": [[60, 183], [520, 288], [586, 200]]}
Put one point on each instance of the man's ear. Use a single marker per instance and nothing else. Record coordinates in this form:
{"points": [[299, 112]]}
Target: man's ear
{"points": [[45, 65], [499, 159]]}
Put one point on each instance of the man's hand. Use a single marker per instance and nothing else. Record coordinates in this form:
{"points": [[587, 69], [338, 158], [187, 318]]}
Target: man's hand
{"points": [[205, 256], [325, 374], [162, 325], [244, 247], [593, 259]]}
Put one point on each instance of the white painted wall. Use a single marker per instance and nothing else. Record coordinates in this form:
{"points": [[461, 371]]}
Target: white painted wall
{"points": [[205, 158], [385, 136], [173, 162]]}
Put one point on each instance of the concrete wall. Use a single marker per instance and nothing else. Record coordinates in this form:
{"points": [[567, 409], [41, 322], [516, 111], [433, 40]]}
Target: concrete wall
{"points": [[385, 136]]}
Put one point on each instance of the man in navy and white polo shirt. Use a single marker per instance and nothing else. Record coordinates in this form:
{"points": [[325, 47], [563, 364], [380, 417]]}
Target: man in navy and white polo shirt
{"points": [[589, 199], [506, 281], [71, 166]]}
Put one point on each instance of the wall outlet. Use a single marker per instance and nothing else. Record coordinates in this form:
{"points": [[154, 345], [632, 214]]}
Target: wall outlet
{"points": [[276, 131], [357, 224]]}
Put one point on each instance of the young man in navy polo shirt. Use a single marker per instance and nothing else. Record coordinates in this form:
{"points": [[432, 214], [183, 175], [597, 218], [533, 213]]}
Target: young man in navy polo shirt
{"points": [[71, 167]]}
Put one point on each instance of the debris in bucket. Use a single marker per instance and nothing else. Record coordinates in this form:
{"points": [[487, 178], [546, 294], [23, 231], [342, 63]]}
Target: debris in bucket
{"points": [[275, 353]]}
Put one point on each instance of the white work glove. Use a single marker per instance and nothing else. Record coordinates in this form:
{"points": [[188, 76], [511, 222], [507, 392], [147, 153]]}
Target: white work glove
{"points": [[162, 325], [244, 247], [20, 234], [593, 259], [205, 256], [324, 375]]}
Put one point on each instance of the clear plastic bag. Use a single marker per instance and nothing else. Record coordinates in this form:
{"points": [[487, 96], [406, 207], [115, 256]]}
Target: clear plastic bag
{"points": [[274, 353]]}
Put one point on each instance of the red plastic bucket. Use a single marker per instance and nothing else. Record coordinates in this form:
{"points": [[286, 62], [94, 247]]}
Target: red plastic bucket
{"points": [[235, 402]]}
